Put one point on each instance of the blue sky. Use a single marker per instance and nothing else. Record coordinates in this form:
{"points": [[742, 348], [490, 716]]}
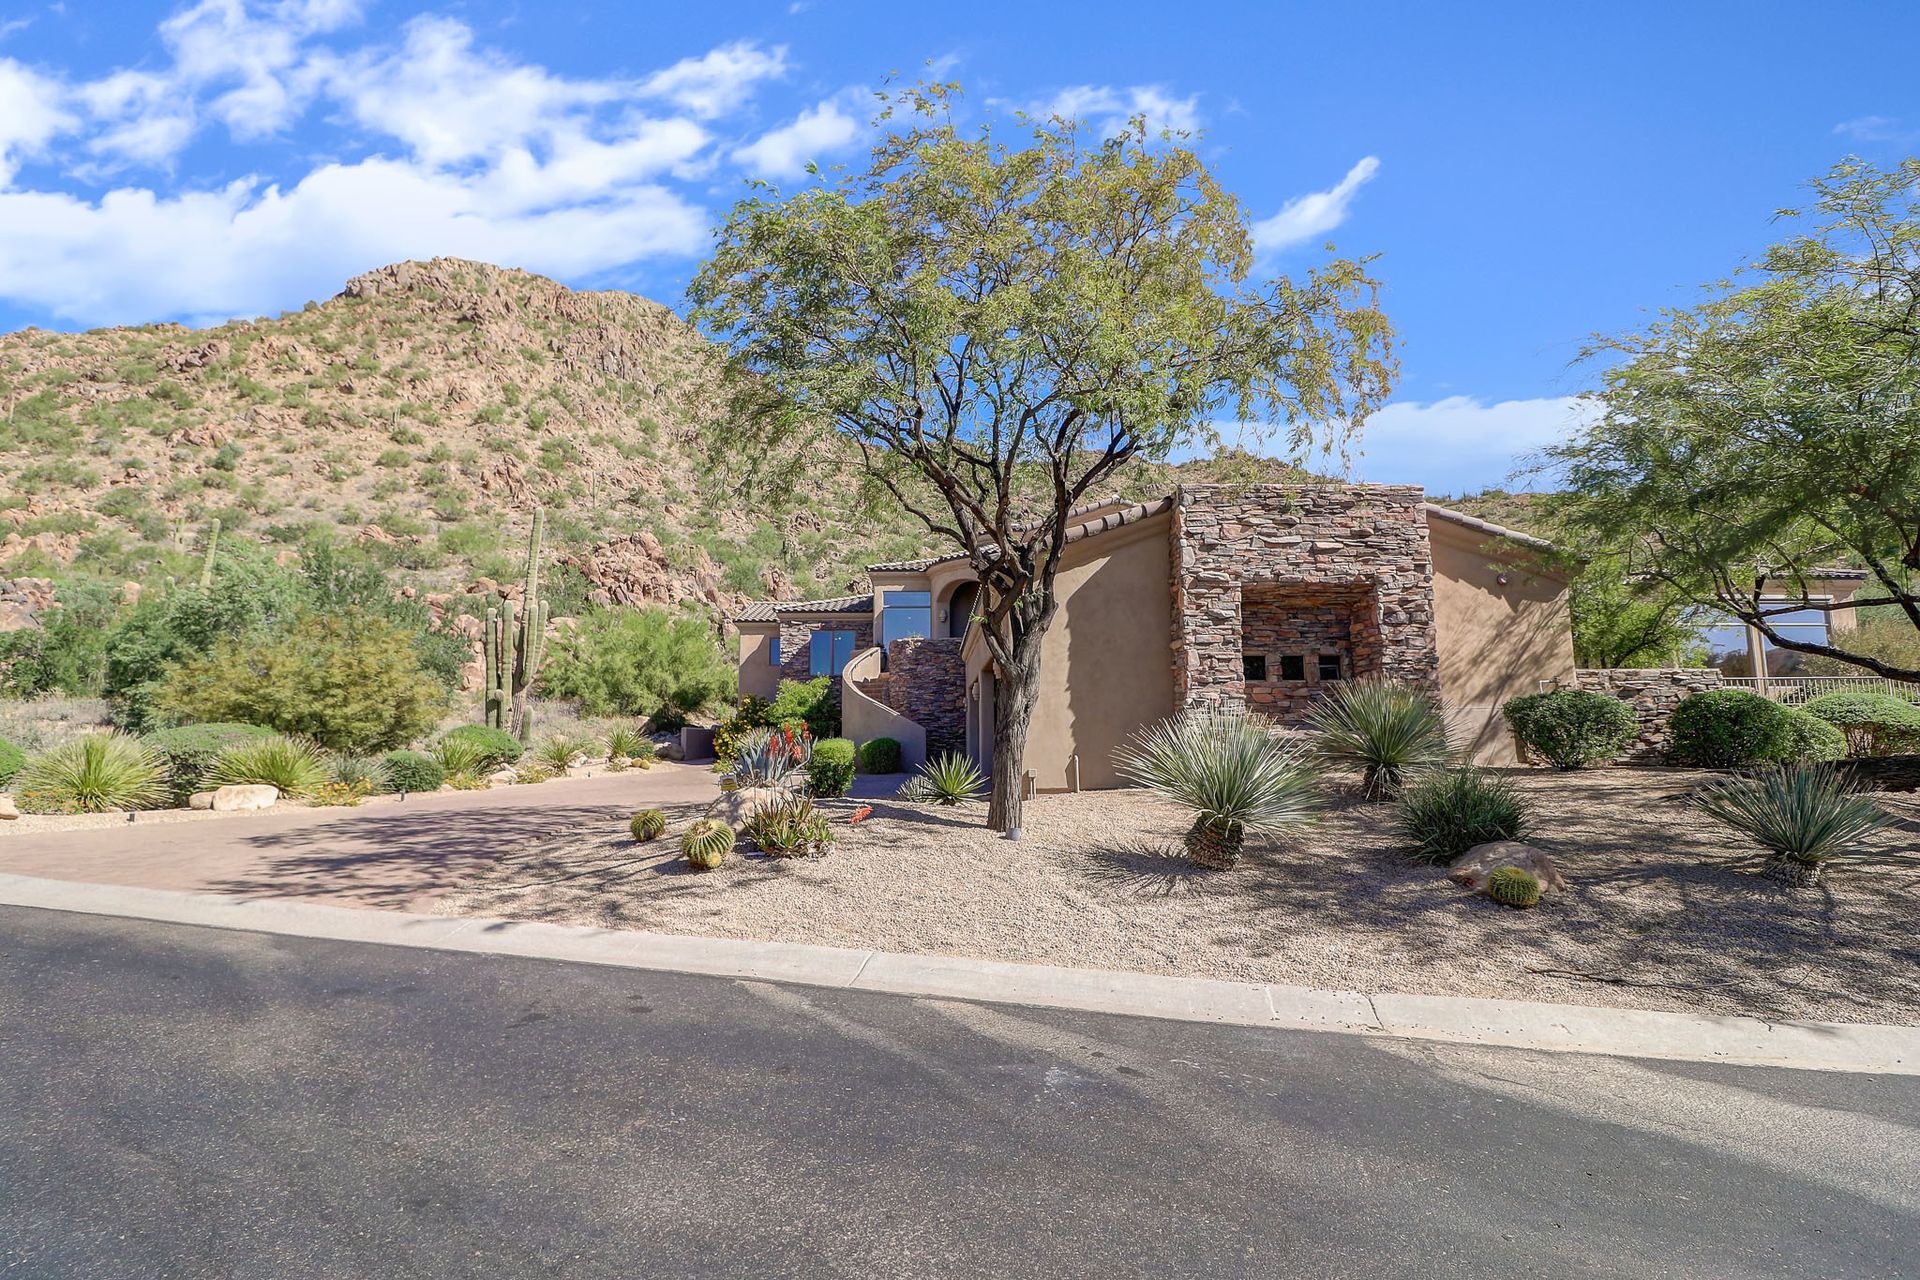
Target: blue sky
{"points": [[1528, 173]]}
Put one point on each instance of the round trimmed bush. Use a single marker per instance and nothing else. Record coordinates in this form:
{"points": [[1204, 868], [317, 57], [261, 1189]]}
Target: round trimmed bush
{"points": [[648, 824], [11, 758], [413, 771], [498, 748], [1874, 723], [880, 755], [1807, 739], [1726, 729], [1572, 728], [189, 750], [830, 768], [1513, 887]]}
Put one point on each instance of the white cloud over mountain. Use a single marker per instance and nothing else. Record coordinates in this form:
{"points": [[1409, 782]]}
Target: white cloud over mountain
{"points": [[1459, 443]]}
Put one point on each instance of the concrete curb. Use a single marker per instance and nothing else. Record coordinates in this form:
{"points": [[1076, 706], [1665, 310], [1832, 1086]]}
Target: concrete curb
{"points": [[1633, 1033]]}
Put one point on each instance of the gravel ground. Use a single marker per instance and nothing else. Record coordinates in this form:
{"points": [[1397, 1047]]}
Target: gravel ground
{"points": [[1663, 910]]}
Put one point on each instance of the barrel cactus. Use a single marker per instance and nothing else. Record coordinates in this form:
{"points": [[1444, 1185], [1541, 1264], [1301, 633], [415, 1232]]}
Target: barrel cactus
{"points": [[648, 824], [1513, 887], [707, 844]]}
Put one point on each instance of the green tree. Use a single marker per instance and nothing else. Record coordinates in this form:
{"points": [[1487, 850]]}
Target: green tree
{"points": [[349, 681], [66, 653], [638, 662], [998, 328], [1622, 622], [1774, 429]]}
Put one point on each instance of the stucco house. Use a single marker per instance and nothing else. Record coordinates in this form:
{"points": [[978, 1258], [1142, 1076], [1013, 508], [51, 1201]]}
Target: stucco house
{"points": [[1255, 596]]}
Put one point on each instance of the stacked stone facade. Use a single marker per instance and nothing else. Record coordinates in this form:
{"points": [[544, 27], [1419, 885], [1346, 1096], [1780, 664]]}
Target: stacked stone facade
{"points": [[796, 642], [926, 682], [1653, 693], [1306, 569]]}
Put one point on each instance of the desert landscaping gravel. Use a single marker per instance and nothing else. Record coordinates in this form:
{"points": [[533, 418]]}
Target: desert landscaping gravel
{"points": [[1663, 911]]}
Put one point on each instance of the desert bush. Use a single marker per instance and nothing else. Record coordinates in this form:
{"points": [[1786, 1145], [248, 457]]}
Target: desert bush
{"points": [[810, 702], [1805, 739], [11, 758], [189, 750], [97, 773], [1513, 887], [1874, 723], [1572, 728], [638, 662], [880, 755], [830, 769], [1445, 812], [66, 652], [648, 824], [413, 771], [790, 828], [748, 714], [348, 681], [1226, 769], [1382, 729], [1726, 729], [1802, 815], [294, 765], [706, 844], [498, 747]]}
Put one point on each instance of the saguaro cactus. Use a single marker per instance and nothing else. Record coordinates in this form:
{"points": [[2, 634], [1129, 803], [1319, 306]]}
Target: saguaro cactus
{"points": [[515, 645], [213, 544]]}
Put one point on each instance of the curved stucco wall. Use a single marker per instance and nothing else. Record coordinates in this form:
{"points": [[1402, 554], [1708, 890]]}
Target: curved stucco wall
{"points": [[862, 719]]}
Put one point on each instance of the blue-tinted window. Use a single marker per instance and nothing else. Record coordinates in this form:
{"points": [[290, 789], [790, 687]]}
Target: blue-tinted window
{"points": [[773, 652], [1806, 625], [907, 613], [829, 653]]}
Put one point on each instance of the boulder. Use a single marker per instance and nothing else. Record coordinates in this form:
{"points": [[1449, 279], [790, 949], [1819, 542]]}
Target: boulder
{"points": [[667, 748], [8, 811], [235, 797], [1477, 863], [500, 777]]}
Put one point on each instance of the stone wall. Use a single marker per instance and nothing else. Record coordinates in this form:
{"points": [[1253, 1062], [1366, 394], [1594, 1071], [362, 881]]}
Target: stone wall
{"points": [[796, 639], [926, 682], [1243, 554], [1653, 693]]}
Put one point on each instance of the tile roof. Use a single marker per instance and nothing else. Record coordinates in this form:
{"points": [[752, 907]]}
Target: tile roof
{"points": [[1485, 526], [773, 610]]}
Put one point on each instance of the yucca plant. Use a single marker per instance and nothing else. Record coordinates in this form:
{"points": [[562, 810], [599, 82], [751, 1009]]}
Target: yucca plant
{"points": [[97, 773], [364, 774], [628, 743], [1802, 815], [558, 752], [295, 766], [460, 755], [1445, 812], [953, 779], [1229, 771], [1383, 729]]}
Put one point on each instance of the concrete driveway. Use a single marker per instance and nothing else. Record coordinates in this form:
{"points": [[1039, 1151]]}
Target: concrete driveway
{"points": [[384, 853]]}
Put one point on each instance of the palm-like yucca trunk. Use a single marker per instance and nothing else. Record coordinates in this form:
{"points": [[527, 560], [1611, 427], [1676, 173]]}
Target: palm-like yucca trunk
{"points": [[1214, 843]]}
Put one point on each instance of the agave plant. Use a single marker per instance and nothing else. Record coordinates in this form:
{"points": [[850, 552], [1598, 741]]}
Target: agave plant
{"points": [[1383, 729], [953, 779], [96, 773], [460, 755], [789, 829], [557, 753], [625, 742], [767, 756], [1229, 771], [294, 765], [363, 774], [1802, 815]]}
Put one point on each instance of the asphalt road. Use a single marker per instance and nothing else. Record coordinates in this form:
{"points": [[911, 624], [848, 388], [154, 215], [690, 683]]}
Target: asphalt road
{"points": [[180, 1102]]}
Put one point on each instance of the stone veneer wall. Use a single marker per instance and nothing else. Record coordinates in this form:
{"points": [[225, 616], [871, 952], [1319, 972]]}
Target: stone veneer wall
{"points": [[926, 682], [1367, 540], [1305, 622], [796, 641], [1653, 693]]}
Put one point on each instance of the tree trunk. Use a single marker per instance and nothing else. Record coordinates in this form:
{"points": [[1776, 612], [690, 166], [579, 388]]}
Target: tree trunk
{"points": [[1014, 692]]}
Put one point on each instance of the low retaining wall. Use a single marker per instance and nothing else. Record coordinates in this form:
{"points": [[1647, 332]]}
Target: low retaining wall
{"points": [[1653, 693]]}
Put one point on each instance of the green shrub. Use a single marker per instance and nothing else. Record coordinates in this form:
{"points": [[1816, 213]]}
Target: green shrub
{"points": [[413, 771], [810, 702], [638, 662], [11, 758], [97, 773], [880, 755], [648, 824], [1726, 729], [1445, 812], [1805, 739], [706, 844], [297, 767], [749, 713], [1802, 815], [1226, 769], [350, 682], [498, 748], [830, 768], [1513, 887], [1382, 729], [1572, 728], [189, 751], [1874, 723]]}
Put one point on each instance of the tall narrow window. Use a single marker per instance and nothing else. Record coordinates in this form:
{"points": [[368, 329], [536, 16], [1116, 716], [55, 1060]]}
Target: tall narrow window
{"points": [[829, 652], [773, 652]]}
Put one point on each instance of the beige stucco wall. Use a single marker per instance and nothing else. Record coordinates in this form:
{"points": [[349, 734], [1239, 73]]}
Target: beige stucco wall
{"points": [[758, 676], [1106, 666], [1497, 640]]}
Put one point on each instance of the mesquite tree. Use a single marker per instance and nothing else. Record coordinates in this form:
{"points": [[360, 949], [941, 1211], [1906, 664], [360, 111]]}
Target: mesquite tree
{"points": [[998, 329]]}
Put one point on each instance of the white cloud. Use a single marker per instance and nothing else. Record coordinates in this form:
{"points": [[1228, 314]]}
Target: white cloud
{"points": [[785, 152], [138, 116], [258, 50], [1314, 214], [33, 111], [1108, 108], [1874, 129], [1461, 444], [719, 82]]}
